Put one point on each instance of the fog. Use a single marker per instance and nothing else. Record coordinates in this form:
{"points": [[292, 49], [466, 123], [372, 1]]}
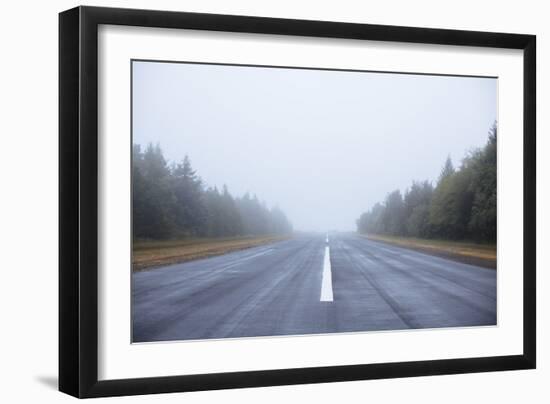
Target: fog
{"points": [[324, 146]]}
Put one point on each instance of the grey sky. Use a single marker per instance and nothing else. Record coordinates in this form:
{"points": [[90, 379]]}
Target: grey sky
{"points": [[322, 145]]}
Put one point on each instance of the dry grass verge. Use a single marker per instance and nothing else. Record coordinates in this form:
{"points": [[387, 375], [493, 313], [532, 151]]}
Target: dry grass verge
{"points": [[150, 254], [470, 253]]}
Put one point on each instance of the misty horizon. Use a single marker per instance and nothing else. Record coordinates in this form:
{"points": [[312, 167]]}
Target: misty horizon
{"points": [[323, 146]]}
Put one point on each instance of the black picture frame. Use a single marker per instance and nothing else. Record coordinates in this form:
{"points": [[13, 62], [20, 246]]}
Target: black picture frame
{"points": [[78, 201]]}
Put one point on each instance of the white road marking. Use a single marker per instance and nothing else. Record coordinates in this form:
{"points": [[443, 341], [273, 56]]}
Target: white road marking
{"points": [[241, 260], [326, 285], [327, 239]]}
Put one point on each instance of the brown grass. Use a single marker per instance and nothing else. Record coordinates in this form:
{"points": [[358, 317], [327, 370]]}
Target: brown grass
{"points": [[467, 252], [150, 254]]}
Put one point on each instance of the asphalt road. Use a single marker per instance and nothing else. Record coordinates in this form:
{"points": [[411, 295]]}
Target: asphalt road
{"points": [[290, 288]]}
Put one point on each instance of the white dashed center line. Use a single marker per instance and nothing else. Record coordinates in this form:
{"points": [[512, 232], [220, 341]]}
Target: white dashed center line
{"points": [[326, 285]]}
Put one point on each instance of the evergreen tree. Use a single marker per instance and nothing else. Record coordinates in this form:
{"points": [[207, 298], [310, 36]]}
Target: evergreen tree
{"points": [[153, 199], [190, 209], [417, 202], [447, 170], [451, 205], [461, 206], [139, 194], [172, 202], [279, 222], [394, 213], [483, 220], [232, 222], [214, 227]]}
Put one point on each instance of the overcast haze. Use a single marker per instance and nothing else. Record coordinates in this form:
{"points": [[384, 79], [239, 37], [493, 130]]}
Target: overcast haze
{"points": [[322, 145]]}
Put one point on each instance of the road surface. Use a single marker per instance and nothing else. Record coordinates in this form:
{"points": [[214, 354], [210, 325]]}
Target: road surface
{"points": [[310, 284]]}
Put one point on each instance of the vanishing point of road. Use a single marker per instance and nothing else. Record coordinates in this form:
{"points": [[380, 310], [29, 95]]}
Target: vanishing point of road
{"points": [[310, 284]]}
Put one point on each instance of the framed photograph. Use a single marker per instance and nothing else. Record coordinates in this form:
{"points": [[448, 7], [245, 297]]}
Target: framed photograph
{"points": [[249, 201]]}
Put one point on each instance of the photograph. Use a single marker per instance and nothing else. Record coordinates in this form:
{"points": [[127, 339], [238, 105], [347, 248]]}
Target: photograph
{"points": [[273, 201]]}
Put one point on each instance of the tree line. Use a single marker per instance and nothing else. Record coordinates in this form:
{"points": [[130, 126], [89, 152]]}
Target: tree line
{"points": [[462, 204], [171, 201]]}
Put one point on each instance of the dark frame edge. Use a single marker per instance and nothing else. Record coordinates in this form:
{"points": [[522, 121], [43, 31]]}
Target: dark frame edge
{"points": [[78, 206], [306, 28], [266, 378], [529, 201], [69, 81]]}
